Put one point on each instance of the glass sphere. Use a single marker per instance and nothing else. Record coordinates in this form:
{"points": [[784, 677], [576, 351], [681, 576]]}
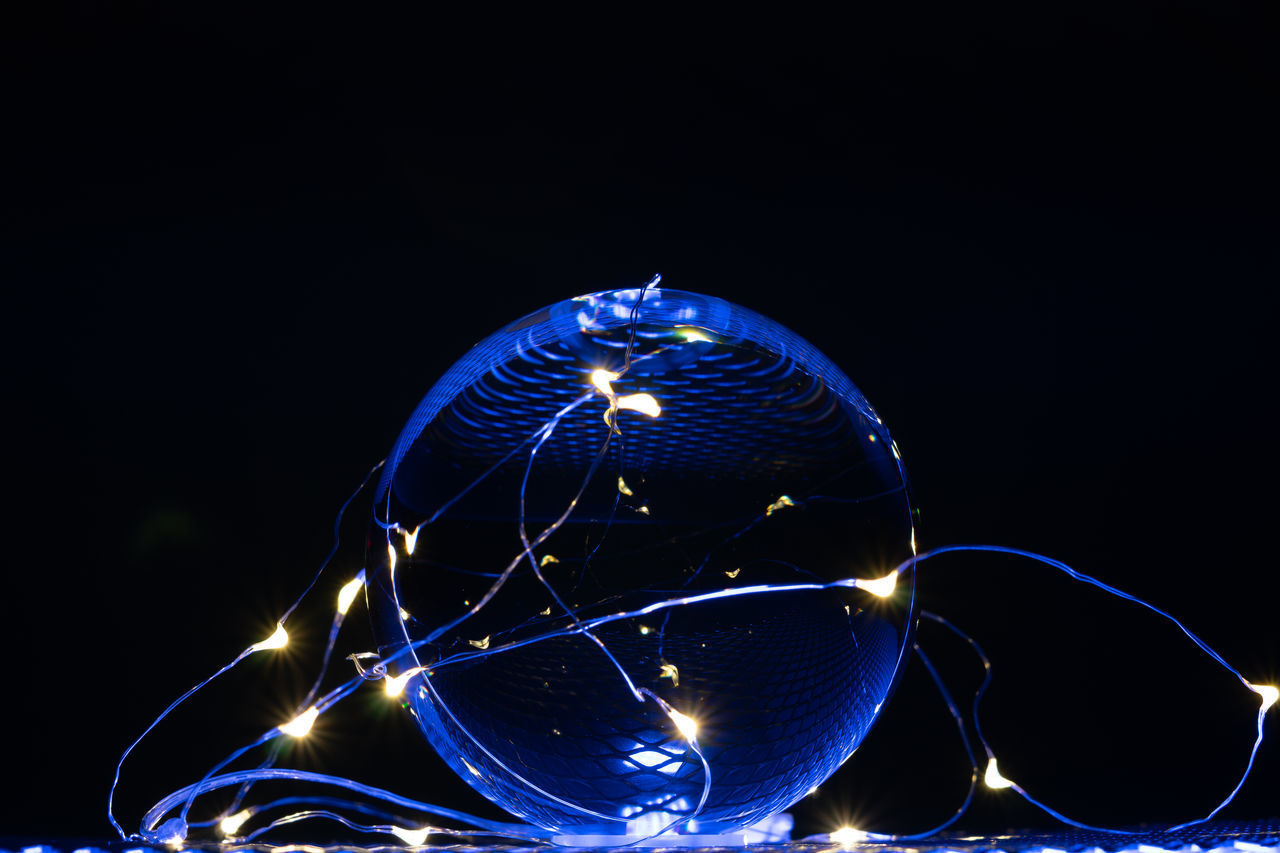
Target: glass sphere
{"points": [[554, 535]]}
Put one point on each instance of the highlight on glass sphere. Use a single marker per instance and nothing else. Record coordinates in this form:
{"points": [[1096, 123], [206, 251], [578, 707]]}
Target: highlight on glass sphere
{"points": [[564, 550]]}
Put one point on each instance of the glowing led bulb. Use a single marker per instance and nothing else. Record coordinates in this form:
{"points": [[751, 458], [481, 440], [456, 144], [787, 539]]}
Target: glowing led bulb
{"points": [[645, 404], [780, 503], [411, 541], [395, 686], [1269, 694], [231, 824], [603, 380], [301, 724], [412, 837], [391, 556], [846, 835], [993, 777], [277, 640], [687, 725], [882, 587], [347, 594]]}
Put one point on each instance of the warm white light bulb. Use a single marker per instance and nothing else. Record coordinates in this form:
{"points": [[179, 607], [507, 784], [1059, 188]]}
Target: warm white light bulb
{"points": [[411, 541], [277, 640], [1269, 694], [645, 404], [301, 724], [687, 725], [847, 835], [395, 686], [603, 380], [882, 587], [391, 556], [993, 777], [231, 824], [347, 594], [412, 837]]}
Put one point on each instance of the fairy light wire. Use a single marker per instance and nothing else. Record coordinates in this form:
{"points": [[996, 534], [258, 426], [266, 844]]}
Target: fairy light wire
{"points": [[954, 711], [542, 435], [333, 550], [309, 711], [157, 812], [854, 583]]}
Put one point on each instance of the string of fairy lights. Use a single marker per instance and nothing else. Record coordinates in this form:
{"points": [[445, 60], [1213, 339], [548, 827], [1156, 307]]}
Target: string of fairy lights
{"points": [[246, 823]]}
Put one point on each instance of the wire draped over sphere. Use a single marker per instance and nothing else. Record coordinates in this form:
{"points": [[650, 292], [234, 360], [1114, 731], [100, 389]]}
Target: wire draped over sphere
{"points": [[553, 532]]}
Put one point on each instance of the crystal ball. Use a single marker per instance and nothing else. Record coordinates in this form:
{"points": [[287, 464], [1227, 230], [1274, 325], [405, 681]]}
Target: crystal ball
{"points": [[632, 503]]}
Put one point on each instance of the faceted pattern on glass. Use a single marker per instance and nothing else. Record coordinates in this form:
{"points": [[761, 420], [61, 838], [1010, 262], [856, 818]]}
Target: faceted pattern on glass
{"points": [[764, 466]]}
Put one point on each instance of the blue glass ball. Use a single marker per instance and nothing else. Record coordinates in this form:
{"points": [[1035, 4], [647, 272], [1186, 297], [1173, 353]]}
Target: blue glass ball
{"points": [[752, 461]]}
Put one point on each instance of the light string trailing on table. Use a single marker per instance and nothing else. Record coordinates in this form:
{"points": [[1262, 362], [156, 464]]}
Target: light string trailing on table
{"points": [[156, 827]]}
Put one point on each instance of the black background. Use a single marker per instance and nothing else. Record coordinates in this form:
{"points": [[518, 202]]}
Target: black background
{"points": [[1043, 243]]}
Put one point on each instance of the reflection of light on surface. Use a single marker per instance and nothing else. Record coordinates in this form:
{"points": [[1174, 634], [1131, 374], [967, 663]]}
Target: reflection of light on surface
{"points": [[692, 335], [411, 541], [650, 757], [669, 670], [650, 823], [780, 503]]}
